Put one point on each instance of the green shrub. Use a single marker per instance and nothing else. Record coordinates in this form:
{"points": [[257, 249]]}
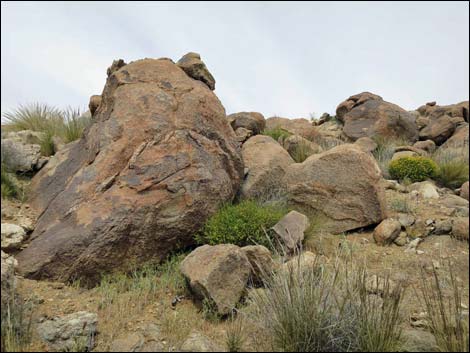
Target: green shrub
{"points": [[277, 133], [243, 224], [452, 174], [414, 168]]}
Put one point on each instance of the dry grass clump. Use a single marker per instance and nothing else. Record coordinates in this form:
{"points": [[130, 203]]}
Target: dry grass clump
{"points": [[321, 308], [447, 320], [301, 152], [401, 204], [67, 125], [384, 152], [453, 166]]}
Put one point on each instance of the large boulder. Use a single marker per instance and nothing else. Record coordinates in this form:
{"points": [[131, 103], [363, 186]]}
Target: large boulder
{"points": [[457, 143], [266, 163], [366, 114], [387, 231], [434, 111], [295, 143], [158, 160], [194, 67], [217, 273], [342, 185], [251, 121], [21, 151], [438, 130]]}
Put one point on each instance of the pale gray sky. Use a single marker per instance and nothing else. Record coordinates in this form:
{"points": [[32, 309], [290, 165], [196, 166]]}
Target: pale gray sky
{"points": [[283, 58]]}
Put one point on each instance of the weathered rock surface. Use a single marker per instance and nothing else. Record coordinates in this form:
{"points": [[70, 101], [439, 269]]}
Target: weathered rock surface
{"points": [[428, 146], [460, 228], [301, 126], [194, 67], [290, 229], [158, 160], [303, 261], [197, 342], [252, 121], [426, 189], [342, 185], [453, 110], [458, 141], [218, 273], [401, 154], [387, 231], [464, 191], [146, 340], [65, 333], [367, 114], [12, 236], [94, 103], [366, 144], [438, 130], [21, 151], [261, 261], [295, 142], [266, 163]]}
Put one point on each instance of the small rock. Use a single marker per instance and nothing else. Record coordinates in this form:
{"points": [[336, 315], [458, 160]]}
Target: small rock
{"points": [[412, 245], [12, 236], [387, 231], [261, 261], [460, 228], [442, 227], [426, 189], [290, 230], [406, 220], [419, 252], [402, 239]]}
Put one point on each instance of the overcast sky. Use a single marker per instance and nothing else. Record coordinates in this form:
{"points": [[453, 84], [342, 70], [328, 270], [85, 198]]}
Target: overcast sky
{"points": [[288, 59]]}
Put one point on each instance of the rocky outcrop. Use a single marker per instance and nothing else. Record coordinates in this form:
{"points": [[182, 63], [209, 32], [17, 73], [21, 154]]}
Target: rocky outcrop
{"points": [[367, 114], [366, 144], [434, 111], [261, 261], [290, 230], [66, 333], [457, 142], [266, 163], [21, 151], [194, 67], [342, 185], [217, 273], [251, 121], [158, 160], [387, 231]]}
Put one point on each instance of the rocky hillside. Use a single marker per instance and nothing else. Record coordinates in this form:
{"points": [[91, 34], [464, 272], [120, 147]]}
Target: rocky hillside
{"points": [[157, 222]]}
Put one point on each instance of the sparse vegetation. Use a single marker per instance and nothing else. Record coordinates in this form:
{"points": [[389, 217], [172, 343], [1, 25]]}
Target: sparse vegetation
{"points": [[301, 152], [16, 324], [319, 308], [401, 204], [235, 336], [9, 186], [447, 320], [278, 134], [241, 224], [66, 124], [414, 168], [385, 151]]}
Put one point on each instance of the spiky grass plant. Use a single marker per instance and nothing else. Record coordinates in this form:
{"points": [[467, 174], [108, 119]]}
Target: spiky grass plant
{"points": [[235, 334], [447, 320], [384, 152], [278, 134], [301, 152]]}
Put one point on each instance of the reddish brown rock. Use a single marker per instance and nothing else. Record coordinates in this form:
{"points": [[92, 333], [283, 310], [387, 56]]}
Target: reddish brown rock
{"points": [[368, 115], [342, 186], [301, 126], [438, 130], [387, 231], [252, 121], [194, 67], [94, 104], [158, 160]]}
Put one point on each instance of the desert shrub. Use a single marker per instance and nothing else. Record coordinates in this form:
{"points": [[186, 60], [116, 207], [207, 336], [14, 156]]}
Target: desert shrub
{"points": [[414, 168], [327, 308], [277, 133], [401, 204], [74, 125], [241, 224], [452, 174], [47, 144], [235, 335], [447, 320]]}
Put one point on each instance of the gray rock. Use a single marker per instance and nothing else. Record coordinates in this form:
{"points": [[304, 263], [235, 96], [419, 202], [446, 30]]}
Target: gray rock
{"points": [[401, 240], [70, 332], [12, 236], [21, 151], [194, 67], [406, 220], [426, 189], [290, 230], [197, 342], [261, 261], [442, 227]]}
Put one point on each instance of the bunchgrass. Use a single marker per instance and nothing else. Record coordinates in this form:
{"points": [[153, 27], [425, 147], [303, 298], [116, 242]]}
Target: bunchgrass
{"points": [[453, 166], [66, 125], [278, 134], [301, 151], [447, 320], [384, 152], [325, 308], [235, 334], [9, 186]]}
